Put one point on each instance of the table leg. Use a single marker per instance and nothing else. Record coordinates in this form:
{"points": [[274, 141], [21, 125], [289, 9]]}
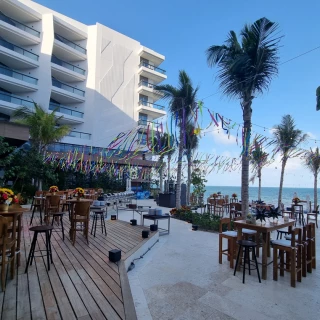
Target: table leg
{"points": [[239, 237], [19, 239], [169, 225], [264, 255]]}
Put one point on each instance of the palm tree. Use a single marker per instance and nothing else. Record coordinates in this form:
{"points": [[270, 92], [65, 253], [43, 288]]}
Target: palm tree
{"points": [[169, 154], [182, 101], [258, 160], [287, 139], [43, 126], [192, 142], [245, 70], [312, 162], [318, 99]]}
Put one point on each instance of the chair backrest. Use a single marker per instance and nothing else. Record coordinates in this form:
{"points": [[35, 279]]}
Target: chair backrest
{"points": [[53, 201], [296, 236], [220, 202], [82, 208], [223, 222], [237, 206], [39, 193]]}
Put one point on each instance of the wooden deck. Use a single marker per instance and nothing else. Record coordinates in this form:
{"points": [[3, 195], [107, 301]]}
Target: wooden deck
{"points": [[81, 284]]}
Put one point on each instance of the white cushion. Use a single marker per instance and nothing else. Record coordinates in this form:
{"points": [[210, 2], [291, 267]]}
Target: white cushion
{"points": [[289, 236], [248, 231], [230, 233], [284, 243]]}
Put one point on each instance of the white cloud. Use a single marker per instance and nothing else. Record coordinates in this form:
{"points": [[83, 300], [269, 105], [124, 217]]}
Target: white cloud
{"points": [[311, 135], [221, 137]]}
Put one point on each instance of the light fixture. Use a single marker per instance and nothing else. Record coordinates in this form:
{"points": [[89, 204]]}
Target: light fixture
{"points": [[115, 255], [113, 217], [145, 234]]}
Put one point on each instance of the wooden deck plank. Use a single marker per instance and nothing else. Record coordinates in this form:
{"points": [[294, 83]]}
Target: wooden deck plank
{"points": [[82, 283]]}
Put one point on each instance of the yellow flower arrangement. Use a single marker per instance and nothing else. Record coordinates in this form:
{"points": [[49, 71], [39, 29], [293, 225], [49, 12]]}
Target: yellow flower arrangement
{"points": [[78, 192], [234, 195], [7, 196], [296, 200], [53, 189]]}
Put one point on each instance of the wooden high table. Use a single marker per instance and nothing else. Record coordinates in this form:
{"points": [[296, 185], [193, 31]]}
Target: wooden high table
{"points": [[16, 214], [265, 230]]}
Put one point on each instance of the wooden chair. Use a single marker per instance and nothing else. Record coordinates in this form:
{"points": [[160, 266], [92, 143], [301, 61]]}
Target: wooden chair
{"points": [[311, 250], [7, 250], [314, 215], [52, 206], [231, 236], [292, 249], [80, 214], [235, 210]]}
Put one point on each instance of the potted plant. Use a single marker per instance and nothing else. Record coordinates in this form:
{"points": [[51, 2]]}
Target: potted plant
{"points": [[7, 197], [234, 195], [296, 200], [261, 215], [274, 214], [250, 219]]}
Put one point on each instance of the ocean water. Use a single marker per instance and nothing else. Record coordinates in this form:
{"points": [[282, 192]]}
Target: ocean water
{"points": [[268, 194]]}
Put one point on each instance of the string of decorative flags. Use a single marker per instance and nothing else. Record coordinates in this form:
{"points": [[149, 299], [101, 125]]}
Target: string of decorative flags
{"points": [[162, 140]]}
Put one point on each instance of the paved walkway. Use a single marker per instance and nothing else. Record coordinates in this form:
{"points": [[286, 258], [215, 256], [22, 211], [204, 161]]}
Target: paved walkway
{"points": [[180, 278]]}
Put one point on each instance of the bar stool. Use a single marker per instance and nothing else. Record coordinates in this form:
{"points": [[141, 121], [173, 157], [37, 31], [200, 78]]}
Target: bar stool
{"points": [[35, 205], [40, 229], [95, 220], [246, 244]]}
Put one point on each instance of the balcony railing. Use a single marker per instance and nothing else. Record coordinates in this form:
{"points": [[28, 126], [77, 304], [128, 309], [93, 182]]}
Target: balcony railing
{"points": [[78, 134], [4, 96], [17, 75], [20, 50], [67, 65], [19, 25], [151, 67], [146, 84], [150, 105], [64, 110], [70, 43], [61, 85], [142, 122]]}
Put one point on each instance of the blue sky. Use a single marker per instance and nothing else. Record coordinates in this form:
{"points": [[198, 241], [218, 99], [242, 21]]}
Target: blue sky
{"points": [[183, 30]]}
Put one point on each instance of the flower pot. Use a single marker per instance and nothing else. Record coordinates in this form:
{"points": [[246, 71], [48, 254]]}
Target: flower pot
{"points": [[4, 207]]}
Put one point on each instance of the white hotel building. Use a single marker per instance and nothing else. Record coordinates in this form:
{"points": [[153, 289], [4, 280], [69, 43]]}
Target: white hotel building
{"points": [[99, 80]]}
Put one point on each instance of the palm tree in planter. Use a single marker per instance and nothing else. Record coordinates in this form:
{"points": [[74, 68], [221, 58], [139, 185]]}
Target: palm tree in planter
{"points": [[182, 101], [192, 143], [312, 162], [287, 138], [246, 69], [258, 160], [44, 128]]}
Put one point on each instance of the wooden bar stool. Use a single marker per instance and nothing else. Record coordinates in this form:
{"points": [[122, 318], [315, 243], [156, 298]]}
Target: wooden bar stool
{"points": [[58, 215], [37, 204], [292, 249], [231, 236], [47, 231], [96, 215]]}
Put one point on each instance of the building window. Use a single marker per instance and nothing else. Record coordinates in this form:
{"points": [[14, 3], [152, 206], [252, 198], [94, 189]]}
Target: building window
{"points": [[142, 138]]}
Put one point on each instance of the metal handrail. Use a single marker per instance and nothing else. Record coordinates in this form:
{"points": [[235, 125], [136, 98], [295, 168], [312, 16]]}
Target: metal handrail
{"points": [[20, 50], [149, 66], [19, 25], [142, 122], [146, 84], [16, 100], [150, 104], [67, 65], [17, 75], [70, 43], [64, 110], [61, 85], [78, 134]]}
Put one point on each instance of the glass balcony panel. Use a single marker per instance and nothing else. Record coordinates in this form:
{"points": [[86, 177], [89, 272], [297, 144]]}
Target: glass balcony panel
{"points": [[20, 50], [64, 110], [61, 85], [4, 96], [70, 43], [67, 65], [17, 75], [151, 67], [19, 25]]}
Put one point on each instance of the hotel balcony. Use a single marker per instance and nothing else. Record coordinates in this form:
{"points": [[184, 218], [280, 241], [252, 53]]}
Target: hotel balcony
{"points": [[69, 115], [9, 103], [152, 109], [143, 125], [65, 93], [16, 82], [151, 55], [17, 57], [79, 135], [66, 71], [18, 32], [152, 72], [68, 49], [147, 89]]}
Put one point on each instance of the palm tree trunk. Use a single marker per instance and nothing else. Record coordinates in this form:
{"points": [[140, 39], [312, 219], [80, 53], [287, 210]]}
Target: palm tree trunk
{"points": [[247, 112], [315, 191], [168, 177], [161, 174], [259, 190], [179, 170], [189, 179], [284, 162]]}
